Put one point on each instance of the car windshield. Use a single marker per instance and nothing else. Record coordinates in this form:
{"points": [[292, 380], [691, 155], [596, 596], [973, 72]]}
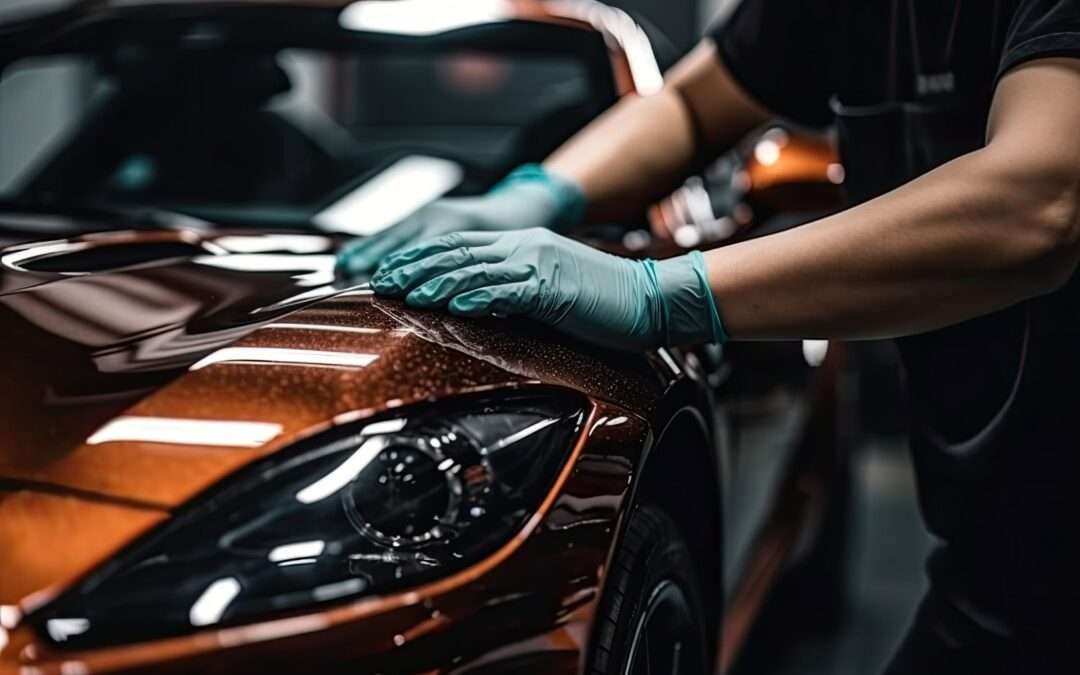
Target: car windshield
{"points": [[275, 133]]}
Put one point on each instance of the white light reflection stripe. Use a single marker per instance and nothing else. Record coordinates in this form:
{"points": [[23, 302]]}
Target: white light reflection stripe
{"points": [[337, 590], [10, 615], [317, 326], [421, 17], [227, 433], [815, 351], [323, 289], [518, 435], [293, 243], [668, 361], [61, 629], [214, 601], [384, 427], [269, 262], [41, 250], [345, 472], [361, 290], [300, 549], [393, 194], [287, 357]]}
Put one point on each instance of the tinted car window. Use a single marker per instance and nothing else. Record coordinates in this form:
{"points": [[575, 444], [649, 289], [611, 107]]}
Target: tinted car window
{"points": [[274, 131], [42, 101]]}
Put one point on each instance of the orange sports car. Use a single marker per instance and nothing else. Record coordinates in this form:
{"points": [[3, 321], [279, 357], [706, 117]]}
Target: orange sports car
{"points": [[217, 457]]}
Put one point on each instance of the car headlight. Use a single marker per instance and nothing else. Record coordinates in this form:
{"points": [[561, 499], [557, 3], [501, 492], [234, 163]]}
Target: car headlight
{"points": [[362, 509]]}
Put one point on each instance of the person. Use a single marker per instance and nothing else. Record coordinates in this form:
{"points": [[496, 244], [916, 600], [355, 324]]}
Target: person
{"points": [[959, 128]]}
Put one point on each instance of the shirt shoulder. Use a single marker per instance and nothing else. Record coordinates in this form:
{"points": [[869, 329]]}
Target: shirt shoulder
{"points": [[782, 53], [1041, 29]]}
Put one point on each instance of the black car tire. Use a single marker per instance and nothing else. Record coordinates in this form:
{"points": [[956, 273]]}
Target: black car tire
{"points": [[650, 619]]}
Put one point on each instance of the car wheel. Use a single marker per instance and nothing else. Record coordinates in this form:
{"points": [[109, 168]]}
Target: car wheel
{"points": [[650, 619]]}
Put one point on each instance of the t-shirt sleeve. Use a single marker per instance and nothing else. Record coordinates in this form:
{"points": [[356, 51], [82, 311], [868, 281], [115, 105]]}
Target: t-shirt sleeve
{"points": [[1041, 29], [781, 53]]}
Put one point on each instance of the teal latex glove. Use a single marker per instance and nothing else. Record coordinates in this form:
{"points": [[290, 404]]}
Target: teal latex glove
{"points": [[529, 197], [595, 296]]}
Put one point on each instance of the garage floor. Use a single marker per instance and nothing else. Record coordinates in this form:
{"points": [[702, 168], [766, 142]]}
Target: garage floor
{"points": [[888, 548]]}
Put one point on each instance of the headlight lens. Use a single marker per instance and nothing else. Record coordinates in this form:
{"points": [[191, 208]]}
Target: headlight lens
{"points": [[363, 509]]}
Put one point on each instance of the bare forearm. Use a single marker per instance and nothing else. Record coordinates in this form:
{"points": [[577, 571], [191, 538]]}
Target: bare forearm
{"points": [[629, 157], [640, 149], [982, 232], [974, 236]]}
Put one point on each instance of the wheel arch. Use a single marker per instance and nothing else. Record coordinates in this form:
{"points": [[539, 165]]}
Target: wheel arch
{"points": [[680, 472]]}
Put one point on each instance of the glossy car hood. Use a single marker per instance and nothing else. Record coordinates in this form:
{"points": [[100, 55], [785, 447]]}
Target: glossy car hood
{"points": [[127, 390]]}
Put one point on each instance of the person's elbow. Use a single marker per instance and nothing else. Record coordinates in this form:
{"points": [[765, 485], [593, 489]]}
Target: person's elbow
{"points": [[1053, 222], [1033, 162], [1034, 205]]}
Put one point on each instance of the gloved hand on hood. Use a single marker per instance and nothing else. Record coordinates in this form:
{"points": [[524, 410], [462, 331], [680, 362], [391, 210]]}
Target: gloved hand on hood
{"points": [[595, 296], [529, 197]]}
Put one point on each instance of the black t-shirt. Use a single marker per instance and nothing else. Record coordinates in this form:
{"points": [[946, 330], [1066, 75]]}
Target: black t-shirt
{"points": [[794, 55], [994, 401]]}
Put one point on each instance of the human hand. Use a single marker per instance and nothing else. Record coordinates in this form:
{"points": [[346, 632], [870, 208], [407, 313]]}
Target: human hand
{"points": [[591, 295], [528, 197]]}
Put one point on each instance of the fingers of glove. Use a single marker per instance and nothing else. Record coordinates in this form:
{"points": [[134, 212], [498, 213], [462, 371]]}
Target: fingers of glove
{"points": [[404, 279], [441, 289], [516, 298], [362, 256], [430, 247]]}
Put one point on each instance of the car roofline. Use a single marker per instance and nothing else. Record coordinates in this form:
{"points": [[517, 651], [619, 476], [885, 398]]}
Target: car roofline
{"points": [[633, 59]]}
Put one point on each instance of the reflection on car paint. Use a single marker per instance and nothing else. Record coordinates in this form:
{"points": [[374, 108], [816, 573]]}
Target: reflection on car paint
{"points": [[315, 326], [422, 17], [282, 356], [227, 433], [213, 602], [392, 195]]}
